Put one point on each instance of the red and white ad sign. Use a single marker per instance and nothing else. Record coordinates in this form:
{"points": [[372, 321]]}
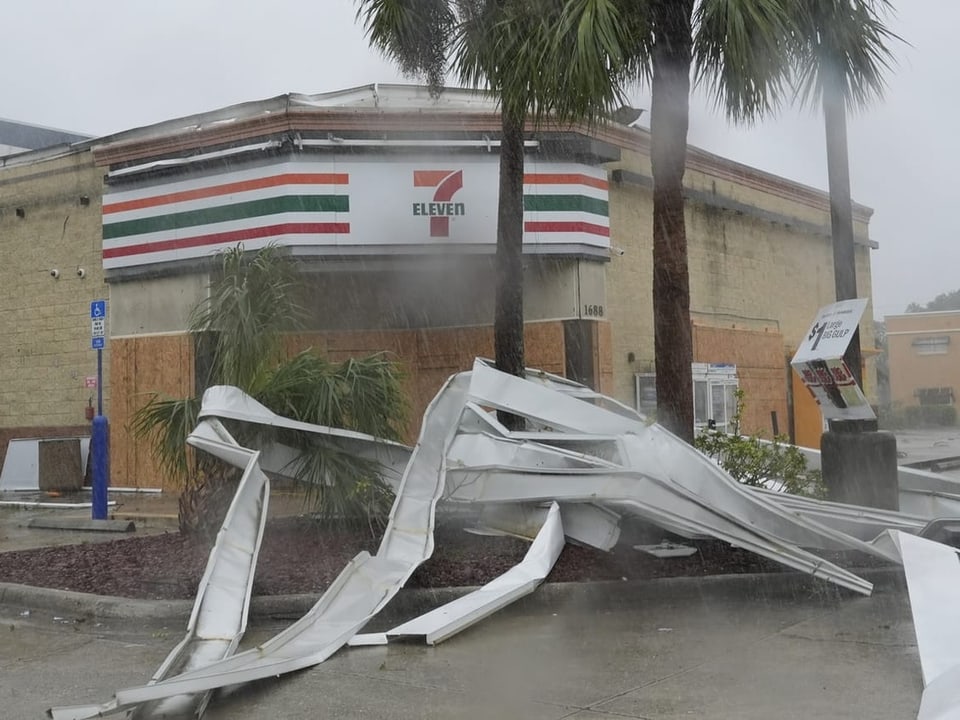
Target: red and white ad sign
{"points": [[90, 381], [819, 361]]}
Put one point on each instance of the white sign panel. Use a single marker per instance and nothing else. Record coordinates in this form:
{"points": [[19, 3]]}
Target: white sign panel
{"points": [[819, 362], [354, 205]]}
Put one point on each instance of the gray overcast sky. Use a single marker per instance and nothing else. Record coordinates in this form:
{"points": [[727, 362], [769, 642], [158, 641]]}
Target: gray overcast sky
{"points": [[109, 65]]}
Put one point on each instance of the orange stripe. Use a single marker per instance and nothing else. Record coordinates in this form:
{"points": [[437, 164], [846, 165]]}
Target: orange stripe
{"points": [[213, 191], [564, 179]]}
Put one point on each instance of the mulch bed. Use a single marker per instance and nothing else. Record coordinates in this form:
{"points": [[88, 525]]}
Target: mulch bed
{"points": [[300, 556]]}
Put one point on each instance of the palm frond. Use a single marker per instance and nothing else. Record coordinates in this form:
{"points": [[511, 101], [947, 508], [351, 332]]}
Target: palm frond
{"points": [[844, 43], [250, 305], [165, 423], [546, 58], [413, 33], [363, 394], [742, 54]]}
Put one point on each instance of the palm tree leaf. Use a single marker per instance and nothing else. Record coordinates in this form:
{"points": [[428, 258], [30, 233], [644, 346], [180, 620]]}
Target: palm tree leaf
{"points": [[742, 54], [846, 43], [413, 33], [166, 423], [249, 306]]}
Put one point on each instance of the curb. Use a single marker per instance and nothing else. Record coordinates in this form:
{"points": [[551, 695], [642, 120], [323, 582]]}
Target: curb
{"points": [[410, 602]]}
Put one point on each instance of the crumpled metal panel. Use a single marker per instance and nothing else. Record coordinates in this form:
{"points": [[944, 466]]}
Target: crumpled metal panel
{"points": [[220, 611], [587, 456], [231, 403], [656, 454], [583, 523], [362, 589], [922, 493], [865, 523], [933, 581], [445, 621]]}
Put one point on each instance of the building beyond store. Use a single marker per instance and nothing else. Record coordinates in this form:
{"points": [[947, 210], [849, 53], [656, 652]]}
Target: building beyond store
{"points": [[387, 197], [924, 358]]}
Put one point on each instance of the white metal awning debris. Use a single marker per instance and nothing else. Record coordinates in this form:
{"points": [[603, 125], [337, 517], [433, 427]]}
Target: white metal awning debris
{"points": [[583, 461], [446, 621], [933, 581]]}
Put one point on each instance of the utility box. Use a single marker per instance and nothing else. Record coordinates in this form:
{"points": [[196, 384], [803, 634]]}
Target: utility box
{"points": [[59, 466]]}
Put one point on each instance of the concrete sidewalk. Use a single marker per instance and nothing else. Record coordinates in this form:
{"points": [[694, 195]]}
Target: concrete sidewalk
{"points": [[729, 648]]}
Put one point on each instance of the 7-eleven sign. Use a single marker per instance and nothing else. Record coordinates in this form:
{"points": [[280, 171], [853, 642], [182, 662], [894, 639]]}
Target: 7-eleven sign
{"points": [[442, 208]]}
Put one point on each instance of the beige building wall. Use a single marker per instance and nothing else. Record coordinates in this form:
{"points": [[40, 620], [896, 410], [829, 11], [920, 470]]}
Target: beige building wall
{"points": [[923, 352], [758, 261], [46, 224]]}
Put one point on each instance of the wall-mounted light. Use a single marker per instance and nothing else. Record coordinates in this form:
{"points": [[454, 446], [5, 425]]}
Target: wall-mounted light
{"points": [[81, 272], [21, 213], [84, 200], [55, 274]]}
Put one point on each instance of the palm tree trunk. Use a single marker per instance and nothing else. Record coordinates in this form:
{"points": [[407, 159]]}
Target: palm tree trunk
{"points": [[508, 315], [841, 209], [669, 118]]}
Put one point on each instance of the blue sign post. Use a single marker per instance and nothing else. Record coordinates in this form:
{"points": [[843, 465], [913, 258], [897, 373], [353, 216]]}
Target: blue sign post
{"points": [[100, 432]]}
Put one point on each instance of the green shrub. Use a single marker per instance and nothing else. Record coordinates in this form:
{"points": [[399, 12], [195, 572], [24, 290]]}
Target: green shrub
{"points": [[753, 461]]}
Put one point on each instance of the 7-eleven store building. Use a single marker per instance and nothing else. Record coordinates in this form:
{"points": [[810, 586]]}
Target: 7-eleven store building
{"points": [[393, 217], [389, 199]]}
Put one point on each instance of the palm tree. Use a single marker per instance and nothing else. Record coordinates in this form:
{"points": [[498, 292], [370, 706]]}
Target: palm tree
{"points": [[746, 51], [842, 55], [251, 305], [737, 49], [504, 46], [573, 57]]}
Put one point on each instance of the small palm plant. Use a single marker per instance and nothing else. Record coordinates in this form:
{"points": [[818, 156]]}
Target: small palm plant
{"points": [[252, 304]]}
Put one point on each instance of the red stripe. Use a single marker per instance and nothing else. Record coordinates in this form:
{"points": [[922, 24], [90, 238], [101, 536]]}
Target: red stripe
{"points": [[449, 186], [429, 178], [228, 188], [570, 227], [564, 179], [229, 237]]}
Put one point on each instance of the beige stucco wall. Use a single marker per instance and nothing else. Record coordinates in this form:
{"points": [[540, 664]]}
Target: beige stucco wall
{"points": [[747, 272], [910, 370], [158, 305], [45, 322]]}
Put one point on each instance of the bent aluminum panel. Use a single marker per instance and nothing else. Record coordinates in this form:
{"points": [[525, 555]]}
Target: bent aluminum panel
{"points": [[922, 493], [228, 402], [941, 698], [660, 454], [220, 611], [556, 410], [363, 587], [654, 452], [933, 581], [861, 522], [664, 504], [447, 620], [583, 523]]}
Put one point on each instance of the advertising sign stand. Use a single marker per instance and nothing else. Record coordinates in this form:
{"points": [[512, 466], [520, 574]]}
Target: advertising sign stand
{"points": [[100, 431], [858, 462]]}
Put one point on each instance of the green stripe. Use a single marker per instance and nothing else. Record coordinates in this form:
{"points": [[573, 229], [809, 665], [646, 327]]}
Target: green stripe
{"points": [[223, 213], [565, 203]]}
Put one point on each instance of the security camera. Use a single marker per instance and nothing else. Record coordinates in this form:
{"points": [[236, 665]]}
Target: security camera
{"points": [[55, 274], [619, 251], [81, 273]]}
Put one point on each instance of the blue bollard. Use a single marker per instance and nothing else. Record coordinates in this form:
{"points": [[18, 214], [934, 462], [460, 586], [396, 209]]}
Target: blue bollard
{"points": [[100, 465]]}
